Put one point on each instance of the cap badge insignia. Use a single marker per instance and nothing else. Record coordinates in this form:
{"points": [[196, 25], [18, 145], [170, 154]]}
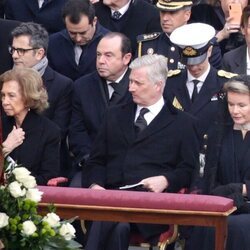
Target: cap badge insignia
{"points": [[189, 51]]}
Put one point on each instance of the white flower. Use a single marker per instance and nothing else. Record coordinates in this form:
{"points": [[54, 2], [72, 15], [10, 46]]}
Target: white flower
{"points": [[4, 220], [21, 173], [67, 231], [52, 219], [34, 194], [29, 181], [16, 190], [28, 228]]}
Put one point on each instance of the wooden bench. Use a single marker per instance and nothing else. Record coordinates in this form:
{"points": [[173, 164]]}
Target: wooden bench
{"points": [[141, 207]]}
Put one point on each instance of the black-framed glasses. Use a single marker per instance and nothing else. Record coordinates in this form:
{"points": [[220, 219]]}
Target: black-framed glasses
{"points": [[20, 51]]}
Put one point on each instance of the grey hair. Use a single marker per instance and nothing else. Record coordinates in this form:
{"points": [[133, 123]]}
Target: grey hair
{"points": [[238, 84], [39, 37], [157, 68]]}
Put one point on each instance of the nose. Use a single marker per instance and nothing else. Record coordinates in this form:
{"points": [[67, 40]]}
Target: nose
{"points": [[131, 87], [100, 59], [78, 37], [14, 54], [165, 15], [235, 109]]}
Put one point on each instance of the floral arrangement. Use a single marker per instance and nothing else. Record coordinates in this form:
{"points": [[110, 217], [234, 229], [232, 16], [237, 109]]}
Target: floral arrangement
{"points": [[21, 227]]}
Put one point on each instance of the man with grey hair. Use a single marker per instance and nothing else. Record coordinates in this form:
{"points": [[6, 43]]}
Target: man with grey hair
{"points": [[143, 142], [28, 50]]}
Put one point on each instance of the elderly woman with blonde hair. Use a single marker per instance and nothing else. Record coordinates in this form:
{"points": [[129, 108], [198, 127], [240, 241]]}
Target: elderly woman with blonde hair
{"points": [[28, 137]]}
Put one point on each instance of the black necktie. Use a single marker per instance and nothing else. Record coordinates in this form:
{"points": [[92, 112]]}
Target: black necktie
{"points": [[45, 2], [195, 91], [115, 94], [116, 15], [141, 122]]}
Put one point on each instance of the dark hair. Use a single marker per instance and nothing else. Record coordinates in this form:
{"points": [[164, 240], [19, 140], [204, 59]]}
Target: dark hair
{"points": [[74, 9], [245, 16], [39, 37], [125, 41]]}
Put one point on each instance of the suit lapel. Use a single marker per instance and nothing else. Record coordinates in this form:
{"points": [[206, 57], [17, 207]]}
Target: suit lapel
{"points": [[101, 100], [240, 61], [32, 5], [181, 92], [163, 119]]}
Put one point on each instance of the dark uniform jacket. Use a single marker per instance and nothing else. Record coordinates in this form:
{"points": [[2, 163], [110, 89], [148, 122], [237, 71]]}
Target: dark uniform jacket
{"points": [[162, 148], [6, 26], [159, 43], [49, 15], [205, 106], [39, 151], [61, 54], [90, 102], [236, 60], [141, 17]]}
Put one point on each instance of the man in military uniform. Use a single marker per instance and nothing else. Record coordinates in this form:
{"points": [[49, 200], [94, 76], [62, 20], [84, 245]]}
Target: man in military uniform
{"points": [[197, 88], [173, 14]]}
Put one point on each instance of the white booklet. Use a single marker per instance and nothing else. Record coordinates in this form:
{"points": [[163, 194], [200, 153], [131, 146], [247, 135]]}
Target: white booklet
{"points": [[131, 186]]}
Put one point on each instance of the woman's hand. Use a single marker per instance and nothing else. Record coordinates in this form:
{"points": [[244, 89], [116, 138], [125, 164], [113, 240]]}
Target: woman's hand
{"points": [[228, 29], [15, 138]]}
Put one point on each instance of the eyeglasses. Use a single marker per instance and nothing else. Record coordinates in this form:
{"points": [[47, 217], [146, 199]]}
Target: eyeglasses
{"points": [[20, 51]]}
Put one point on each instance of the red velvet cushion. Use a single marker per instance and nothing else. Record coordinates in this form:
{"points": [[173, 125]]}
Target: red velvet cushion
{"points": [[134, 199]]}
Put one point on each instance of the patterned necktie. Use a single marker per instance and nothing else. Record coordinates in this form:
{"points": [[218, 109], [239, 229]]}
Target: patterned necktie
{"points": [[141, 122], [195, 91], [116, 15]]}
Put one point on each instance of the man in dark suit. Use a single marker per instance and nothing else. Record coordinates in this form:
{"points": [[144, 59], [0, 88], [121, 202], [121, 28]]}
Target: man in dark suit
{"points": [[72, 51], [130, 17], [6, 26], [29, 47], [238, 60], [173, 14], [44, 12], [145, 141], [94, 93]]}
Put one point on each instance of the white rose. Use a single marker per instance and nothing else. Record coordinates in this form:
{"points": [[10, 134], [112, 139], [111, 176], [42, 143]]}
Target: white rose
{"points": [[28, 228], [52, 219], [67, 231], [16, 190], [34, 194], [21, 172], [29, 181], [4, 220]]}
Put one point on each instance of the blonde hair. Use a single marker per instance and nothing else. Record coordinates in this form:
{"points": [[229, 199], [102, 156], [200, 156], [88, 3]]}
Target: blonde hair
{"points": [[31, 85]]}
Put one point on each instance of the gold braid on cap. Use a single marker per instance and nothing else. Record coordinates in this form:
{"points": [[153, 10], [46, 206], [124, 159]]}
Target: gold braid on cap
{"points": [[173, 4], [189, 51]]}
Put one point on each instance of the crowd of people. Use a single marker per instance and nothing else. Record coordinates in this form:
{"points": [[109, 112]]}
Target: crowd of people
{"points": [[117, 92]]}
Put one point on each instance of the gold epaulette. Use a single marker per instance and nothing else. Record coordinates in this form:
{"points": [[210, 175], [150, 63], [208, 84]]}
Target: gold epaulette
{"points": [[147, 37], [176, 104], [226, 74], [174, 72]]}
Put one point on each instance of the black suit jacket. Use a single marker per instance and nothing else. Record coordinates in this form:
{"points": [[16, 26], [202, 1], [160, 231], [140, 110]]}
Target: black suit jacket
{"points": [[90, 102], [235, 60], [140, 18], [49, 16], [164, 147], [6, 26], [205, 106], [59, 90], [39, 152]]}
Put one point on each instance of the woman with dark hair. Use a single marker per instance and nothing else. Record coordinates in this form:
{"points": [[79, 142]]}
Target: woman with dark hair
{"points": [[227, 169], [28, 137]]}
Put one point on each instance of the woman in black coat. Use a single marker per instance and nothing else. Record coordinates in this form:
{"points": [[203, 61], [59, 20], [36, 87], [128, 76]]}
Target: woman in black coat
{"points": [[28, 137], [227, 169]]}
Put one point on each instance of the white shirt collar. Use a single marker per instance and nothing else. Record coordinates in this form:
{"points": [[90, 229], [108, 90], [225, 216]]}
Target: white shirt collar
{"points": [[123, 9], [119, 78]]}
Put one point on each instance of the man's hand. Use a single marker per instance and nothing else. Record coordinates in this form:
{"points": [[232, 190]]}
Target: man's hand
{"points": [[155, 184], [96, 187], [15, 138]]}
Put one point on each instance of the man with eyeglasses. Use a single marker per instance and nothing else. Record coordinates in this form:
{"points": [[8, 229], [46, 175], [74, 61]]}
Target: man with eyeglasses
{"points": [[28, 50], [72, 51]]}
